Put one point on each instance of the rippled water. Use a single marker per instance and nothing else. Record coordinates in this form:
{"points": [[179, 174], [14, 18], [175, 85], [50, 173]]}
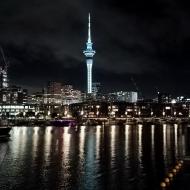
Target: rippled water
{"points": [[109, 157]]}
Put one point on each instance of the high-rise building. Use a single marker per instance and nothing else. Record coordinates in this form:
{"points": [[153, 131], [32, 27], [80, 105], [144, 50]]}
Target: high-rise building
{"points": [[129, 96], [18, 96], [164, 97], [89, 53], [53, 96], [96, 87], [58, 94], [54, 88], [70, 95]]}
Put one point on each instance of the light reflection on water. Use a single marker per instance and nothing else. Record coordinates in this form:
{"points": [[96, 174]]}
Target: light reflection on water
{"points": [[176, 139], [101, 157]]}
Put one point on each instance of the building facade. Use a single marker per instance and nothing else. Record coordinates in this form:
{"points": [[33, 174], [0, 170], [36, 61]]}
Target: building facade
{"points": [[96, 86], [130, 96]]}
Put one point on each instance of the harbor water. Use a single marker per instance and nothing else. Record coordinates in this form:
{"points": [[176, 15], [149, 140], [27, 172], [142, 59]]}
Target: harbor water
{"points": [[132, 157]]}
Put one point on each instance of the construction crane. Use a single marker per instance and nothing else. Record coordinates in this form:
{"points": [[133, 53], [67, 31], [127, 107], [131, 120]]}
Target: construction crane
{"points": [[4, 59]]}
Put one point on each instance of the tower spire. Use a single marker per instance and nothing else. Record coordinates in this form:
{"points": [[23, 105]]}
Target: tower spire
{"points": [[89, 29], [89, 53]]}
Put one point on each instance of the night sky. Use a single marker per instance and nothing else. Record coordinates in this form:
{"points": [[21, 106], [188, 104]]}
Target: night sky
{"points": [[144, 40]]}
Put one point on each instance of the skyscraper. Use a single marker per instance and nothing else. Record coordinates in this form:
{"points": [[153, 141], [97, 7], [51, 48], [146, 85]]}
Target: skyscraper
{"points": [[89, 53], [54, 88]]}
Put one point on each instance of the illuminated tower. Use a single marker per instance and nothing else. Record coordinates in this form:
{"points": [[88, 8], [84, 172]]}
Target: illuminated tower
{"points": [[89, 53]]}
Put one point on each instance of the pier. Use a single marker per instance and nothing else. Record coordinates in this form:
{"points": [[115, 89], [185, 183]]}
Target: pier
{"points": [[101, 121]]}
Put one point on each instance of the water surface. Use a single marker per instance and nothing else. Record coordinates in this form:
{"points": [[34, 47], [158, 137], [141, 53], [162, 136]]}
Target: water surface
{"points": [[110, 157]]}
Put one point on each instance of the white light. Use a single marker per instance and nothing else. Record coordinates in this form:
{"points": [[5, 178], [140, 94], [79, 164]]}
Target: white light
{"points": [[112, 113], [173, 101], [180, 113], [66, 112]]}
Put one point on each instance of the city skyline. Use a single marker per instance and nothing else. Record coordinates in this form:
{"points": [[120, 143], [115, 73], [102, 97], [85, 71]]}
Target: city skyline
{"points": [[146, 41]]}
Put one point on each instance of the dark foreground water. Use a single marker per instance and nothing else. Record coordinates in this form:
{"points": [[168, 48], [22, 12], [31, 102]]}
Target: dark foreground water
{"points": [[111, 157]]}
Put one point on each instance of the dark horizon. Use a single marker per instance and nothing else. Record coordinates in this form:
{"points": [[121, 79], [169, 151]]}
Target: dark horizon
{"points": [[147, 41]]}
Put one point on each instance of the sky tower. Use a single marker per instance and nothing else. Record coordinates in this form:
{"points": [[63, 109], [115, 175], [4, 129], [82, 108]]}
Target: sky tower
{"points": [[89, 53]]}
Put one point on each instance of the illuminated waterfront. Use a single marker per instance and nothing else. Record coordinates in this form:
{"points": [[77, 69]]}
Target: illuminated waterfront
{"points": [[110, 157]]}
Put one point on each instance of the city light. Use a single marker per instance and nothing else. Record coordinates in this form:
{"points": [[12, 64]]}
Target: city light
{"points": [[123, 124]]}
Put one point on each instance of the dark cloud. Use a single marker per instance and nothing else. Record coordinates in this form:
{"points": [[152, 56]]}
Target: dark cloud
{"points": [[148, 40]]}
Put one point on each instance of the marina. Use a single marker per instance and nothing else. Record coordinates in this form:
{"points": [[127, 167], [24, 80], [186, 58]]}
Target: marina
{"points": [[96, 121], [94, 95]]}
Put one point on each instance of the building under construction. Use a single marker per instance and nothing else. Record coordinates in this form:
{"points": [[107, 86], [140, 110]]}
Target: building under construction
{"points": [[4, 91]]}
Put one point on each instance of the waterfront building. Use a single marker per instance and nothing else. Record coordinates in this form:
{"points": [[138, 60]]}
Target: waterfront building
{"points": [[164, 97], [131, 97], [15, 110], [36, 98], [123, 109], [89, 53]]}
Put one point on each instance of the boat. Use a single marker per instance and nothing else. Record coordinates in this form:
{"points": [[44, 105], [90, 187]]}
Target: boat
{"points": [[64, 122], [4, 128]]}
